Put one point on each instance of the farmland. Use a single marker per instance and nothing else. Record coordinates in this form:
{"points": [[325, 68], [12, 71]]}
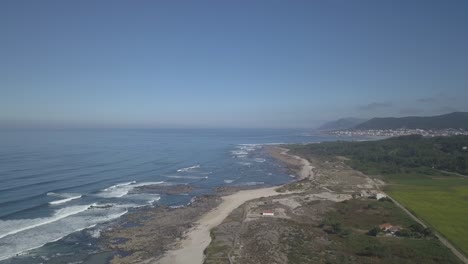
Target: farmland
{"points": [[420, 174]]}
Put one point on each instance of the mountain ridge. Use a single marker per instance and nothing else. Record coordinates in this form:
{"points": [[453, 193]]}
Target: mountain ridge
{"points": [[342, 123], [456, 120]]}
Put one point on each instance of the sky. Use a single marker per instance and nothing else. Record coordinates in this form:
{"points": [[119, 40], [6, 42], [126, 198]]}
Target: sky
{"points": [[246, 64]]}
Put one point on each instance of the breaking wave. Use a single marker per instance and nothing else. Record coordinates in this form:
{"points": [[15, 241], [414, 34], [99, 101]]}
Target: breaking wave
{"points": [[35, 233], [122, 189], [10, 227], [65, 200], [243, 150], [188, 168]]}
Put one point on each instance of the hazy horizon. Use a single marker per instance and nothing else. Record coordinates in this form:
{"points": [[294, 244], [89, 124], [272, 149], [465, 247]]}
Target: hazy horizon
{"points": [[211, 64]]}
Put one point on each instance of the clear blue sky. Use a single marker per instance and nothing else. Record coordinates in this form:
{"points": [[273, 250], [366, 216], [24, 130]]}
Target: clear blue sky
{"points": [[229, 63]]}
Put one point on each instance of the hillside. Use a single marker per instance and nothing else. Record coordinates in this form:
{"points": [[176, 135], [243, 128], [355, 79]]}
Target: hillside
{"points": [[453, 120], [343, 123]]}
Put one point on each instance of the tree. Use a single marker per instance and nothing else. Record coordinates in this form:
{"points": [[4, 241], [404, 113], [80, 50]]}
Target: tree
{"points": [[374, 231]]}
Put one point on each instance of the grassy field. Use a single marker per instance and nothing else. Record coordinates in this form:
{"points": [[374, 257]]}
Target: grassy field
{"points": [[419, 173], [442, 202], [353, 245]]}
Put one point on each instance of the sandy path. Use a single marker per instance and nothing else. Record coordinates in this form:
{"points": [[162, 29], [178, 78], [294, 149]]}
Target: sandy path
{"points": [[192, 247]]}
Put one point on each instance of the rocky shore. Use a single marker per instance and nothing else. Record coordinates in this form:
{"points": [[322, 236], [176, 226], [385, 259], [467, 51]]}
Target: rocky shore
{"points": [[146, 233], [164, 189]]}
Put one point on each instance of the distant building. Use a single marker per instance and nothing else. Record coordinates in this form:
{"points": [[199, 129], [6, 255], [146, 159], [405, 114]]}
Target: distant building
{"points": [[268, 213], [379, 196], [394, 229], [385, 227], [389, 228]]}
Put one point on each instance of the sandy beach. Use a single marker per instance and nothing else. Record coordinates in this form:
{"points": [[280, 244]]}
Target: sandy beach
{"points": [[190, 249], [198, 238]]}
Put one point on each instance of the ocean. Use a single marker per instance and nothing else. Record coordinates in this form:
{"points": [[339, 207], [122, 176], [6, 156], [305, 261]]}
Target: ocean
{"points": [[59, 186]]}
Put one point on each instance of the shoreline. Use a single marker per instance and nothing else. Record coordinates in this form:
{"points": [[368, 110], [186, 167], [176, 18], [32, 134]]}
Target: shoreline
{"points": [[167, 234], [304, 168], [197, 239], [191, 248]]}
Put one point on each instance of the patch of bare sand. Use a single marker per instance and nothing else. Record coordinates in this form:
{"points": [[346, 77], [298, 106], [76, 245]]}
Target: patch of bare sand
{"points": [[197, 239]]}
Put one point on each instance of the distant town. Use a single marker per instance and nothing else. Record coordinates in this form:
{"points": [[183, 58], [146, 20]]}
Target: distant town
{"points": [[400, 132]]}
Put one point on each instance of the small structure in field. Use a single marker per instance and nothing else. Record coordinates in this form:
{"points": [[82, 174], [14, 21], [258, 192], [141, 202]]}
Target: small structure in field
{"points": [[389, 228], [267, 213], [379, 196]]}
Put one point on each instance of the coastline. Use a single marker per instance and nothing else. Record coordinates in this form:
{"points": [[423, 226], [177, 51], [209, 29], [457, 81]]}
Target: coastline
{"points": [[303, 168], [164, 233], [197, 239], [191, 248]]}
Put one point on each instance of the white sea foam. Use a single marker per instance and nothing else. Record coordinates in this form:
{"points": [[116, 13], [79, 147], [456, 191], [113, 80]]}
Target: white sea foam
{"points": [[122, 189], [243, 150], [95, 233], [228, 181], [154, 200], [239, 152], [259, 160], [65, 200], [10, 227], [187, 177], [147, 183], [62, 195], [188, 168], [245, 163], [37, 236]]}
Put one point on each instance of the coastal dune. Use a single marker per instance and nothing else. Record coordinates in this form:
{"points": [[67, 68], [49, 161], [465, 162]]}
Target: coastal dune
{"points": [[197, 239]]}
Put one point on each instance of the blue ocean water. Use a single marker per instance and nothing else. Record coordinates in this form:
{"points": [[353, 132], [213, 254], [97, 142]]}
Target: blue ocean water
{"points": [[55, 183]]}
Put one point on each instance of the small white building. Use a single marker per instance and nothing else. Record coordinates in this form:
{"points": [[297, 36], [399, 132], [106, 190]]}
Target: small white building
{"points": [[379, 196], [268, 213]]}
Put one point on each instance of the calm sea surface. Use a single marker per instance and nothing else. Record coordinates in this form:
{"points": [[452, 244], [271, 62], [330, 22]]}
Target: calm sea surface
{"points": [[52, 183]]}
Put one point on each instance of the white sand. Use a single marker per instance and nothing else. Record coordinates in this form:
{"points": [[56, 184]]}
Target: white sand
{"points": [[192, 247], [190, 250]]}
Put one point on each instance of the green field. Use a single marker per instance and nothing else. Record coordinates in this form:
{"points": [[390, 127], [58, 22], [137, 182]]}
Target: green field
{"points": [[357, 216], [420, 175], [442, 202]]}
